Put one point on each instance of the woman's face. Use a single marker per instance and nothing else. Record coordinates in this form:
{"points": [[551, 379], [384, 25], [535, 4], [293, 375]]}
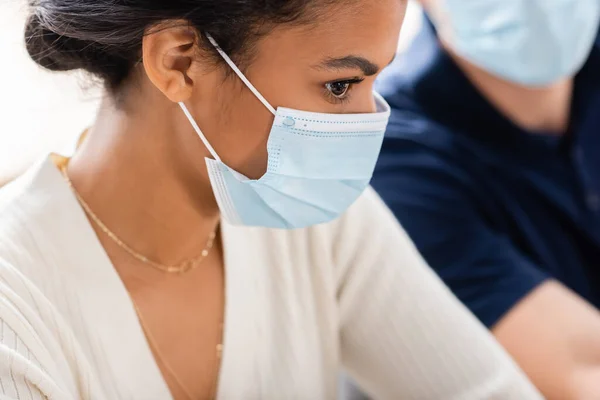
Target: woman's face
{"points": [[329, 66]]}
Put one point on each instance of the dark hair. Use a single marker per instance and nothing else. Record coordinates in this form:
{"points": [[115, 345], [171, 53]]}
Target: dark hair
{"points": [[104, 37]]}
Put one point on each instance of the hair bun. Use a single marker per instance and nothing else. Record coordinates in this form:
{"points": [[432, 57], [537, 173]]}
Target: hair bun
{"points": [[44, 46], [58, 52]]}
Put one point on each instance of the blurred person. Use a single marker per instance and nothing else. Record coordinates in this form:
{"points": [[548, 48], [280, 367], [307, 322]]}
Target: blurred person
{"points": [[492, 165], [204, 241]]}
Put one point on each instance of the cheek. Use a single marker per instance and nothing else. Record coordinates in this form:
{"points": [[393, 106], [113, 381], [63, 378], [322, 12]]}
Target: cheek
{"points": [[283, 76], [243, 129]]}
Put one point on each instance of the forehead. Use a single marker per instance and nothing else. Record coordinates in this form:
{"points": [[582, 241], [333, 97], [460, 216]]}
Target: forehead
{"points": [[367, 28]]}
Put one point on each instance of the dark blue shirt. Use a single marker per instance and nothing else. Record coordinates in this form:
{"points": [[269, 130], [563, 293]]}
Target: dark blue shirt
{"points": [[495, 210]]}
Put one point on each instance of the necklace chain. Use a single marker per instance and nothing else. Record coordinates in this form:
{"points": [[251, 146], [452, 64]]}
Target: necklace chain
{"points": [[181, 268], [152, 341]]}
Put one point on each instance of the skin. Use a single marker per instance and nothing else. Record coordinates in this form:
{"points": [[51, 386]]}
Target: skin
{"points": [[142, 171], [553, 333]]}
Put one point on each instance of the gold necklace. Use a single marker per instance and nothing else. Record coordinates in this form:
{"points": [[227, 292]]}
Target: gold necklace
{"points": [[152, 341], [181, 268]]}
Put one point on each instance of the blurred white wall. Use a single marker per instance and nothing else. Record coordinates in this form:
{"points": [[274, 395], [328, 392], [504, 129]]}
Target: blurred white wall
{"points": [[39, 111], [42, 111]]}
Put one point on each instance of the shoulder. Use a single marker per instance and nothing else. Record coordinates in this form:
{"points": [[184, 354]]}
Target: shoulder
{"points": [[359, 238], [422, 162], [32, 361], [368, 213], [24, 210], [31, 214], [29, 353], [17, 218], [414, 137]]}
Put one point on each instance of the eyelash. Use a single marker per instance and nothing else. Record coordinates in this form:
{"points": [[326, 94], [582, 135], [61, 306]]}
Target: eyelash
{"points": [[346, 97]]}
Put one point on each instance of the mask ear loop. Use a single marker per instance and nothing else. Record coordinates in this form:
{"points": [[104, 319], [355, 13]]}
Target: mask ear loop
{"points": [[250, 86], [199, 132], [241, 75]]}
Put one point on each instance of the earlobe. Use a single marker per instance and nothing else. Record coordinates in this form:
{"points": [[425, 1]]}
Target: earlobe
{"points": [[168, 52]]}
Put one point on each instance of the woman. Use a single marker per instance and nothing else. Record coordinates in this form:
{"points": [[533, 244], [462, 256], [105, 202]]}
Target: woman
{"points": [[191, 278]]}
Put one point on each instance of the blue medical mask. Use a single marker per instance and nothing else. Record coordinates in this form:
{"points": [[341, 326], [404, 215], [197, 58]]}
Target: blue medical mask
{"points": [[529, 42], [318, 165]]}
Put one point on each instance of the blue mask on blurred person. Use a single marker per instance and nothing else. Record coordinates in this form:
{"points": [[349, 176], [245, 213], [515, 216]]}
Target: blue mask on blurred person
{"points": [[530, 42], [318, 165]]}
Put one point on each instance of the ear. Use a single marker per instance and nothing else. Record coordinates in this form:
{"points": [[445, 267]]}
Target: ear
{"points": [[168, 52]]}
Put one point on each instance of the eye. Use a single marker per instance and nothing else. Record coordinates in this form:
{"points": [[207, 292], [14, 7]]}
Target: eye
{"points": [[338, 89]]}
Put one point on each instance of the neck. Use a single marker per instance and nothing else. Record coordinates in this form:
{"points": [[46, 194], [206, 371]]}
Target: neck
{"points": [[147, 183], [546, 109]]}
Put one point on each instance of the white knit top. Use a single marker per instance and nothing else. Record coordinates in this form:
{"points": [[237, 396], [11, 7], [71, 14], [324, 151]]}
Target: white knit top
{"points": [[301, 305]]}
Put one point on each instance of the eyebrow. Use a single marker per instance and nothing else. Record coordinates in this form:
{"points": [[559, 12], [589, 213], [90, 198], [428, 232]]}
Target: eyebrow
{"points": [[351, 62]]}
